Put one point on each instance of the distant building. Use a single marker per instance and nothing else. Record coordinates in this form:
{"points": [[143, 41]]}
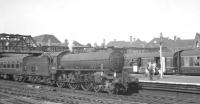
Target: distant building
{"points": [[134, 46], [127, 44], [50, 43], [171, 45]]}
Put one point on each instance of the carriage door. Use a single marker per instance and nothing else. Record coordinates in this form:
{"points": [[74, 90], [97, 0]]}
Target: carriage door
{"points": [[177, 62]]}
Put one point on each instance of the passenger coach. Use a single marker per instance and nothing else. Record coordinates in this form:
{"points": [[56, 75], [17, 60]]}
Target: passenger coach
{"points": [[188, 62]]}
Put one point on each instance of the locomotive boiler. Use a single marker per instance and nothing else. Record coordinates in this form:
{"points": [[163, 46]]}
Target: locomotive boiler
{"points": [[110, 61]]}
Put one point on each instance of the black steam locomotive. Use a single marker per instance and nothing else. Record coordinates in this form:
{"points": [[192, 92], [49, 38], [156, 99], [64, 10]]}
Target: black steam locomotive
{"points": [[98, 71]]}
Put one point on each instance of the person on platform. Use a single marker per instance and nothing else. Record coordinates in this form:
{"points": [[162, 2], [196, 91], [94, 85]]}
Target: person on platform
{"points": [[151, 69], [146, 73]]}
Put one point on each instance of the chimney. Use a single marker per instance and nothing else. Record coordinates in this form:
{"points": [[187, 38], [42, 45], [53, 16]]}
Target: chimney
{"points": [[175, 38], [131, 39], [49, 42], [104, 41]]}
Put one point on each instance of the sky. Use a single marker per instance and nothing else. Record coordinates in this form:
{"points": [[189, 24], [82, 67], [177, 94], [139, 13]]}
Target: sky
{"points": [[91, 21]]}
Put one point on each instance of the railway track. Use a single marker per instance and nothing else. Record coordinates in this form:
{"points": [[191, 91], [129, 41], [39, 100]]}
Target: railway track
{"points": [[11, 99], [68, 96], [171, 87]]}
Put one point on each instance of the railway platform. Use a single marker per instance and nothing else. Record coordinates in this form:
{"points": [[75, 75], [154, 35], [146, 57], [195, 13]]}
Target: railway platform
{"points": [[171, 83], [170, 79]]}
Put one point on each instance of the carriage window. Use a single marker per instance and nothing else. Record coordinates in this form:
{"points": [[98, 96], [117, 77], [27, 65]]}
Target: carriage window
{"points": [[17, 65], [4, 65], [183, 61], [191, 61], [13, 64], [32, 68], [187, 61], [1, 65], [8, 64], [196, 61]]}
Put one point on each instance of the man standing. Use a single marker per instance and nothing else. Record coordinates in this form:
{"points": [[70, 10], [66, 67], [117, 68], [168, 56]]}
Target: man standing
{"points": [[150, 69]]}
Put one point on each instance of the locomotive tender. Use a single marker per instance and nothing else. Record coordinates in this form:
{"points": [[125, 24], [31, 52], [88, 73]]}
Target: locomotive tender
{"points": [[98, 71]]}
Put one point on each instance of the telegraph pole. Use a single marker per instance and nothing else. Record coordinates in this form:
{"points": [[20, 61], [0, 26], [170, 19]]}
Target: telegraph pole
{"points": [[161, 61]]}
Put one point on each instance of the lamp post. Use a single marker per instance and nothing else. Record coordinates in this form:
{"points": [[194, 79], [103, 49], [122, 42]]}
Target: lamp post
{"points": [[161, 63]]}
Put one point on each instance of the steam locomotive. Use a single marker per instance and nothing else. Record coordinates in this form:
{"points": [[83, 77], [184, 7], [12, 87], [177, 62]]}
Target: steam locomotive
{"points": [[97, 71]]}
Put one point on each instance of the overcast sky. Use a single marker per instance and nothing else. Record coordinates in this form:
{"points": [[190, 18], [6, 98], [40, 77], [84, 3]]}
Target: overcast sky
{"points": [[90, 21]]}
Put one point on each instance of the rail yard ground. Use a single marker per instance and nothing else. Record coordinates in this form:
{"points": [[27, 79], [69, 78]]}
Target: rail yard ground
{"points": [[26, 93]]}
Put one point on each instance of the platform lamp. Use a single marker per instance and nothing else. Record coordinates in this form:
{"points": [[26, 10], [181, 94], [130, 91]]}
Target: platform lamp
{"points": [[161, 63]]}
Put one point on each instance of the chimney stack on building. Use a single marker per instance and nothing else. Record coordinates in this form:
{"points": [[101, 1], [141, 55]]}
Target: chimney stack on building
{"points": [[131, 39], [49, 42], [104, 43]]}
